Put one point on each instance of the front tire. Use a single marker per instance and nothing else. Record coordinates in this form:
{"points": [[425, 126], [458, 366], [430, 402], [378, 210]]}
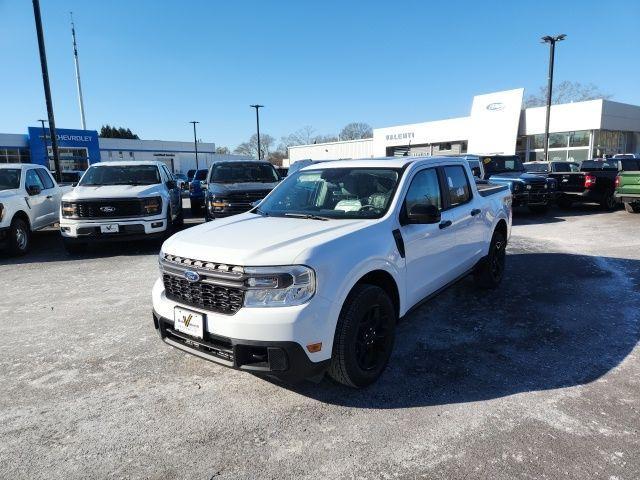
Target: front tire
{"points": [[632, 208], [19, 237], [364, 337], [490, 271]]}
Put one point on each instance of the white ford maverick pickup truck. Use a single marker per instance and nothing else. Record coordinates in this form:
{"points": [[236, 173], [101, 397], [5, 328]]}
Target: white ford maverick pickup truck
{"points": [[315, 278]]}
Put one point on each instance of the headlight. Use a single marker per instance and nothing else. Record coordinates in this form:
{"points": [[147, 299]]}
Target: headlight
{"points": [[216, 202], [279, 286], [69, 209], [516, 187], [152, 206]]}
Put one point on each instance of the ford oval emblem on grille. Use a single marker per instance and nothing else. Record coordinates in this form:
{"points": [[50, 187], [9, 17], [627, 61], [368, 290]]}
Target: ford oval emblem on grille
{"points": [[108, 209], [191, 276]]}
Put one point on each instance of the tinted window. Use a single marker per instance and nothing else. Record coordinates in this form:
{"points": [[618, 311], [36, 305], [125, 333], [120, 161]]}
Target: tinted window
{"points": [[502, 164], [237, 172], [630, 165], [45, 177], [588, 165], [9, 178], [537, 167], [70, 177], [424, 189], [458, 185], [33, 180]]}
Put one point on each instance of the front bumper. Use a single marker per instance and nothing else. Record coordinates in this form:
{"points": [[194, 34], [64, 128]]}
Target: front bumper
{"points": [[238, 340], [532, 198], [129, 228], [4, 236], [228, 210]]}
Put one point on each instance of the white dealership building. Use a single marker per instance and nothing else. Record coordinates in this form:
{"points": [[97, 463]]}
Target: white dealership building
{"points": [[498, 124]]}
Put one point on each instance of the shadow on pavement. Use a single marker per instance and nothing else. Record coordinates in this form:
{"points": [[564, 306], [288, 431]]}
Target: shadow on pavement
{"points": [[559, 320]]}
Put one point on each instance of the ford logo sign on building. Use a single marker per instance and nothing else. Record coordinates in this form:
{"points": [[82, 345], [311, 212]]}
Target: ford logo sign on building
{"points": [[495, 107], [191, 276]]}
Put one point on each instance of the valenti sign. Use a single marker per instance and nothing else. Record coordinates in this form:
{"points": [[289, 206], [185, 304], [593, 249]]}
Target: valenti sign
{"points": [[494, 122]]}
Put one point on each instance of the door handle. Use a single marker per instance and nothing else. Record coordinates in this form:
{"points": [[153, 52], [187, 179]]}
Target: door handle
{"points": [[475, 212], [49, 197], [445, 224]]}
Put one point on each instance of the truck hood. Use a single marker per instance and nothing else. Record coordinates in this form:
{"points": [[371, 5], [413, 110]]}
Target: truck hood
{"points": [[9, 193], [222, 188], [254, 240], [518, 176], [113, 191]]}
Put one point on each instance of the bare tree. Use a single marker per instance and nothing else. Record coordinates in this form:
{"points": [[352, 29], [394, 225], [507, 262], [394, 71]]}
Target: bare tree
{"points": [[565, 92], [223, 150], [356, 131], [250, 148]]}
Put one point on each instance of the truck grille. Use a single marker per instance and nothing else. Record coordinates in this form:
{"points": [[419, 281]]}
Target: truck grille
{"points": [[210, 297], [246, 197], [538, 188], [129, 207]]}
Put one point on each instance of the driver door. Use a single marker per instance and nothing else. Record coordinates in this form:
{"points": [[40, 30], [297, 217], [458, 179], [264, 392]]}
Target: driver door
{"points": [[428, 247], [38, 202]]}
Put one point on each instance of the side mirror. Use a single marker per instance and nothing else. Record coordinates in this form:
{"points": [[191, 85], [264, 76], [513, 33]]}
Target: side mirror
{"points": [[171, 184], [476, 171], [422, 213], [255, 203], [33, 190], [74, 184]]}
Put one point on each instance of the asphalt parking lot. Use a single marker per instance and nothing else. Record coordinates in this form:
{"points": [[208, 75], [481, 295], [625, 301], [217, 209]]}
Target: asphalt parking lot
{"points": [[540, 379]]}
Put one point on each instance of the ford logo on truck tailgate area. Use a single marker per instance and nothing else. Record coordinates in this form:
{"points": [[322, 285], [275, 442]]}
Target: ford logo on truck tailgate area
{"points": [[108, 209], [191, 276]]}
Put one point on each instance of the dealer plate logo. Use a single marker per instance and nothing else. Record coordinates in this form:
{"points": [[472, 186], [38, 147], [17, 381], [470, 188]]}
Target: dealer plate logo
{"points": [[191, 276]]}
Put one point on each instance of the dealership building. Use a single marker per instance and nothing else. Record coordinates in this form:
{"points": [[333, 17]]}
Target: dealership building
{"points": [[80, 148], [498, 124]]}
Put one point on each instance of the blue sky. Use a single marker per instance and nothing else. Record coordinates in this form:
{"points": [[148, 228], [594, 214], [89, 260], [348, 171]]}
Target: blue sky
{"points": [[154, 65]]}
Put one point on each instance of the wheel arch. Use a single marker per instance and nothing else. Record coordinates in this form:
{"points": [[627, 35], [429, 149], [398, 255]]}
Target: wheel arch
{"points": [[21, 214], [384, 280]]}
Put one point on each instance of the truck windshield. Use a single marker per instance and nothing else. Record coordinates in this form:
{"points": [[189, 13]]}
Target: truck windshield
{"points": [[121, 175], [243, 172], [336, 193], [505, 164], [9, 178]]}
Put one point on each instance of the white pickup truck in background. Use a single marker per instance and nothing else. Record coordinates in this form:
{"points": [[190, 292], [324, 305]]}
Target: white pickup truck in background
{"points": [[121, 201], [29, 201], [316, 276]]}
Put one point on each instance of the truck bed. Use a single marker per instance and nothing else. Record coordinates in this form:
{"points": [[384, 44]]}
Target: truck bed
{"points": [[486, 188]]}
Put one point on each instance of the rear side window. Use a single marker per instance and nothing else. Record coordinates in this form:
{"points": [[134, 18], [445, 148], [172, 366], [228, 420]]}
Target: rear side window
{"points": [[630, 165], [457, 184], [45, 178], [424, 189]]}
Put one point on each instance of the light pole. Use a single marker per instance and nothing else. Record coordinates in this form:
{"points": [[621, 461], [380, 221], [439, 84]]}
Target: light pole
{"points": [[552, 52], [44, 139], [47, 88], [258, 107], [195, 141]]}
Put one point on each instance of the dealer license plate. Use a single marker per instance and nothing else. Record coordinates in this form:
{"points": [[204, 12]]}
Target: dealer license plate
{"points": [[110, 228], [188, 322]]}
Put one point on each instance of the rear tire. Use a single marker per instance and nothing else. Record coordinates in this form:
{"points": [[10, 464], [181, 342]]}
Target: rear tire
{"points": [[632, 207], [608, 202], [196, 209], [539, 208], [19, 237], [364, 337], [74, 247], [490, 270]]}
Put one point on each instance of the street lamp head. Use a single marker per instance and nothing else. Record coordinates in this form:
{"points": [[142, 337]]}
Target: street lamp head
{"points": [[561, 37], [256, 106], [194, 121], [550, 39]]}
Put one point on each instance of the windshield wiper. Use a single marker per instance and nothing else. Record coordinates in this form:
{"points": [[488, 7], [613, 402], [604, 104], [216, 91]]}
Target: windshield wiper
{"points": [[307, 216], [261, 212]]}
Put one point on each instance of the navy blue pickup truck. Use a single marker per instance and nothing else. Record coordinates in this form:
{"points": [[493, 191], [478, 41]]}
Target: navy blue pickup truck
{"points": [[528, 190]]}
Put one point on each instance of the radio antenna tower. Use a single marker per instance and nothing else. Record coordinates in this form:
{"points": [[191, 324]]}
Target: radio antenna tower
{"points": [[75, 57]]}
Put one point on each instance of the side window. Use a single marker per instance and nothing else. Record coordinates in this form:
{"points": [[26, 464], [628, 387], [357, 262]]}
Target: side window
{"points": [[424, 189], [32, 180], [563, 167], [458, 185], [45, 178]]}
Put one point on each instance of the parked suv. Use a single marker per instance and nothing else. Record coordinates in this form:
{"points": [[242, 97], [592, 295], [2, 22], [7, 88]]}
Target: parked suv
{"points": [[197, 189], [316, 277], [233, 186], [120, 201], [29, 200]]}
